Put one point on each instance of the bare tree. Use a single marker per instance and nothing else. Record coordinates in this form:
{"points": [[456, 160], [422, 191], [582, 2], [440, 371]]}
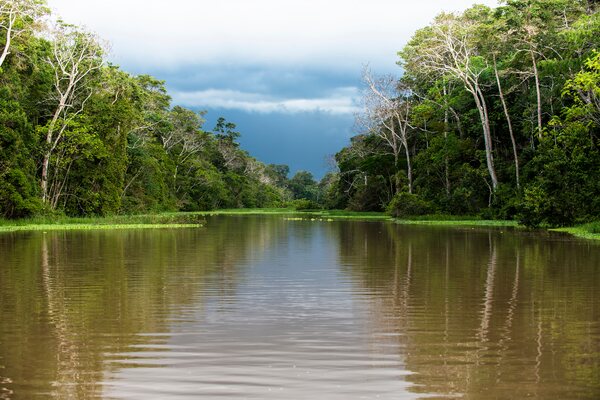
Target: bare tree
{"points": [[12, 15], [448, 49], [387, 115], [75, 56]]}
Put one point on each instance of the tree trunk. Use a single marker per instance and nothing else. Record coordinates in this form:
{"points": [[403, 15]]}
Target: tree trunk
{"points": [[487, 136], [409, 169], [538, 94], [396, 177], [510, 128], [446, 125], [44, 181], [48, 153], [5, 52]]}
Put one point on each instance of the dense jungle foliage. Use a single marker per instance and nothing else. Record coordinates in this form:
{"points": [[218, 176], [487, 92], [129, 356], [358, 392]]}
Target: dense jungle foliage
{"points": [[79, 136], [497, 113]]}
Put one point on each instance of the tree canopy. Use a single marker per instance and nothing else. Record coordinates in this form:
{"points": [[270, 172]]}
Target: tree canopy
{"points": [[503, 119], [82, 137]]}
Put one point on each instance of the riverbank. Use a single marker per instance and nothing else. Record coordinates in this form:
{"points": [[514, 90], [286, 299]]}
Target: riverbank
{"points": [[459, 222], [172, 220], [196, 219], [586, 231], [304, 214], [150, 221], [590, 231]]}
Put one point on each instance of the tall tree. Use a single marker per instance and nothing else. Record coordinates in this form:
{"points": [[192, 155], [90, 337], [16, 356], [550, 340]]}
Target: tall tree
{"points": [[387, 115], [447, 48], [16, 17], [535, 28], [76, 54]]}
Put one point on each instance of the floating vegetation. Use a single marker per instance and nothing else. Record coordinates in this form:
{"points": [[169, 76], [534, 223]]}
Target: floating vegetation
{"points": [[155, 221], [83, 227], [309, 219]]}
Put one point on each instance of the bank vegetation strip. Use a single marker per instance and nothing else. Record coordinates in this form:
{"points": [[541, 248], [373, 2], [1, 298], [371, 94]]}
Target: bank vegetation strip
{"points": [[150, 221], [197, 219]]}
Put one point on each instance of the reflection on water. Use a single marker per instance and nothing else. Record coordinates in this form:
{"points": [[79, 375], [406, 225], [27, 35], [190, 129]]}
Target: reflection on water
{"points": [[489, 314], [261, 307]]}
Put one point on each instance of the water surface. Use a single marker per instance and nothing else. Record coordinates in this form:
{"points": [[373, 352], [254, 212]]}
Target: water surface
{"points": [[267, 308]]}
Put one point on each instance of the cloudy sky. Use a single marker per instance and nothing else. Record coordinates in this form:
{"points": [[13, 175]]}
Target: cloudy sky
{"points": [[287, 72]]}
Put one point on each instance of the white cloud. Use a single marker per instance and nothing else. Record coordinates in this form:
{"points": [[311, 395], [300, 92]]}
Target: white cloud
{"points": [[340, 101], [336, 33], [248, 41]]}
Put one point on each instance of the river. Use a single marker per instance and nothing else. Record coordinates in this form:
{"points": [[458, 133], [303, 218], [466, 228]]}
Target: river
{"points": [[272, 308]]}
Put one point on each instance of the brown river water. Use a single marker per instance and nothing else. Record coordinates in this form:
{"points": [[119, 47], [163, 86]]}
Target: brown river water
{"points": [[269, 308]]}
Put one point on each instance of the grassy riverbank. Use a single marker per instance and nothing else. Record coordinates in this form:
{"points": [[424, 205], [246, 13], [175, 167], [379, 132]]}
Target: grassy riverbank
{"points": [[154, 221], [455, 220], [196, 219], [171, 220], [585, 231], [306, 214]]}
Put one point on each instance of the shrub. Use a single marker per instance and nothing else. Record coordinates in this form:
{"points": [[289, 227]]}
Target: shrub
{"points": [[304, 204], [407, 205]]}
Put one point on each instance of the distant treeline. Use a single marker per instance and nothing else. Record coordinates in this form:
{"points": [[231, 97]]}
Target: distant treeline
{"points": [[79, 136], [497, 113]]}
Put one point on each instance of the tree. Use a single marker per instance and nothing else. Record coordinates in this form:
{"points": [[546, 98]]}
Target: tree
{"points": [[226, 142], [16, 17], [146, 187], [86, 138], [508, 121], [303, 186], [447, 48], [278, 173], [185, 137], [495, 41], [535, 29], [584, 89], [76, 55], [387, 115]]}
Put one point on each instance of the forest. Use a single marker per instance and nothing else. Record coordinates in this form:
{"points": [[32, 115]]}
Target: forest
{"points": [[79, 136], [496, 114]]}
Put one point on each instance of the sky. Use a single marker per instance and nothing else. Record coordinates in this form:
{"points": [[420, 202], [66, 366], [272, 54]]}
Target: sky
{"points": [[287, 72]]}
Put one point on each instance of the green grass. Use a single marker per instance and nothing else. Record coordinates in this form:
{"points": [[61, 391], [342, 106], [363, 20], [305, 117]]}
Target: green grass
{"points": [[466, 222], [449, 220], [455, 220], [246, 211], [308, 214], [586, 231], [196, 219], [153, 221], [170, 220], [84, 227]]}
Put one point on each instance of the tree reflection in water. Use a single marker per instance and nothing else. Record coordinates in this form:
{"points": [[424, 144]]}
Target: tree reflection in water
{"points": [[76, 305], [469, 319], [464, 312]]}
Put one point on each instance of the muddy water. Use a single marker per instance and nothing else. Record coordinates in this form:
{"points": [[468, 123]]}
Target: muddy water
{"points": [[268, 308]]}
